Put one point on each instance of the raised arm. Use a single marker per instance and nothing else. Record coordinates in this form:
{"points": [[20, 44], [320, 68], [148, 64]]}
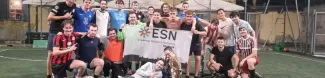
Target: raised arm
{"points": [[204, 22], [56, 48]]}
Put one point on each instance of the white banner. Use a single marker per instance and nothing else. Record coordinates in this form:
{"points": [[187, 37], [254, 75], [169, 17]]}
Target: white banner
{"points": [[150, 43]]}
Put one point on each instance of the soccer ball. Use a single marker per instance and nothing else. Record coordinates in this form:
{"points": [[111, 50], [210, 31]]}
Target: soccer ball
{"points": [[285, 49]]}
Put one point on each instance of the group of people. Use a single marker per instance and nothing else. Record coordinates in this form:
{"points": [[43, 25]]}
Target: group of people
{"points": [[81, 38]]}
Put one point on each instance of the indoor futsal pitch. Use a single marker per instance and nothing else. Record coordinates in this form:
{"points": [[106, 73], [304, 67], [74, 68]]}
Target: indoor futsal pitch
{"points": [[30, 63]]}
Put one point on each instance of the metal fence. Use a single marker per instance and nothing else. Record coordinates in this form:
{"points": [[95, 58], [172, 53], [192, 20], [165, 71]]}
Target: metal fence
{"points": [[318, 34]]}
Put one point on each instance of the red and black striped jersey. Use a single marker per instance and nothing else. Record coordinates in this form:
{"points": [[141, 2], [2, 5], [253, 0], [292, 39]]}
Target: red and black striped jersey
{"points": [[63, 42], [246, 46]]}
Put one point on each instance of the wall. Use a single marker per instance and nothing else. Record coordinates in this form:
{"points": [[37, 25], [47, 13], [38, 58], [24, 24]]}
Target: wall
{"points": [[45, 26]]}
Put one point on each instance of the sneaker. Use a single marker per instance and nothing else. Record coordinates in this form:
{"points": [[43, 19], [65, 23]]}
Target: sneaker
{"points": [[196, 77], [187, 76]]}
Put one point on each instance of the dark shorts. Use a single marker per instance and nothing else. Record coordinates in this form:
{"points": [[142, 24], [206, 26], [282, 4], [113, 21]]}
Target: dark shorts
{"points": [[196, 52], [59, 70], [50, 41]]}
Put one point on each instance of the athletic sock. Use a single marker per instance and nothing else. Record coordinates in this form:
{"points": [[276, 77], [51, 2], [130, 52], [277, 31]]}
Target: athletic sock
{"points": [[95, 76], [49, 76], [252, 73]]}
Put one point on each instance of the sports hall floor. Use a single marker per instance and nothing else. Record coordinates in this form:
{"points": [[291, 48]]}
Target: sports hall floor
{"points": [[30, 63]]}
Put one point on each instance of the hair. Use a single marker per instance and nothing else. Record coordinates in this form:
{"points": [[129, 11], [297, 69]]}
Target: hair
{"points": [[172, 9], [220, 38], [162, 6], [189, 12], [242, 28], [92, 25], [102, 0], [119, 2], [65, 22], [233, 14], [156, 10], [168, 48], [184, 2], [215, 21], [127, 17], [86, 0], [111, 29], [134, 2], [220, 10], [151, 7]]}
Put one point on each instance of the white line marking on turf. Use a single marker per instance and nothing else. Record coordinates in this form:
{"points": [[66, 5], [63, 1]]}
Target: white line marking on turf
{"points": [[300, 57], [17, 58]]}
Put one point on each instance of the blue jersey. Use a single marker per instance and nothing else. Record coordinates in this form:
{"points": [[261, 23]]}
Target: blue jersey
{"points": [[82, 19], [118, 18], [182, 15]]}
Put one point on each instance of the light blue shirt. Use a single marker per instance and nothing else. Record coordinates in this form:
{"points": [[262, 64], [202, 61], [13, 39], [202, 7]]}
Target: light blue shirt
{"points": [[118, 18]]}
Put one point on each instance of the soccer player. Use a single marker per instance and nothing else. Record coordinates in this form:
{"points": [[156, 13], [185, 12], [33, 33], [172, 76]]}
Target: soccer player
{"points": [[156, 20], [246, 47], [227, 30], [196, 43], [241, 23], [60, 12], [165, 10], [102, 21], [113, 55], [64, 46], [88, 50], [220, 59], [83, 17], [135, 7], [118, 17]]}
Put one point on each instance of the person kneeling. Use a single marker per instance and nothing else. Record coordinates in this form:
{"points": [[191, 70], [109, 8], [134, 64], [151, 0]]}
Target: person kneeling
{"points": [[88, 50], [64, 46], [220, 59]]}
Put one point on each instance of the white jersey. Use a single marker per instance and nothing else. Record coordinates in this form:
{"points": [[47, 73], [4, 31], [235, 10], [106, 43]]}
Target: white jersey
{"points": [[227, 31], [102, 20]]}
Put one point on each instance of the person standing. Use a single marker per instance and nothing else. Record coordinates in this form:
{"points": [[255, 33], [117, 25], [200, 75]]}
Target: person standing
{"points": [[119, 16], [226, 29], [165, 10], [102, 21], [241, 23], [83, 17], [135, 8], [60, 12], [195, 49]]}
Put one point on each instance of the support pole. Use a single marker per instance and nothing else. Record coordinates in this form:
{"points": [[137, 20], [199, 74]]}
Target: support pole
{"points": [[41, 20], [29, 26], [298, 21], [260, 26], [293, 35], [273, 28], [308, 24]]}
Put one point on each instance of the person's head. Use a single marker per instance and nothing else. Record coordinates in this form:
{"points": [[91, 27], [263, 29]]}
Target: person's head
{"points": [[243, 31], [135, 5], [168, 51], [70, 2], [87, 4], [132, 17], [156, 15], [159, 64], [165, 7], [220, 42], [112, 33], [221, 13], [185, 6], [119, 4], [215, 22], [92, 30], [67, 27], [103, 4], [150, 10], [172, 12], [234, 17], [189, 16]]}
